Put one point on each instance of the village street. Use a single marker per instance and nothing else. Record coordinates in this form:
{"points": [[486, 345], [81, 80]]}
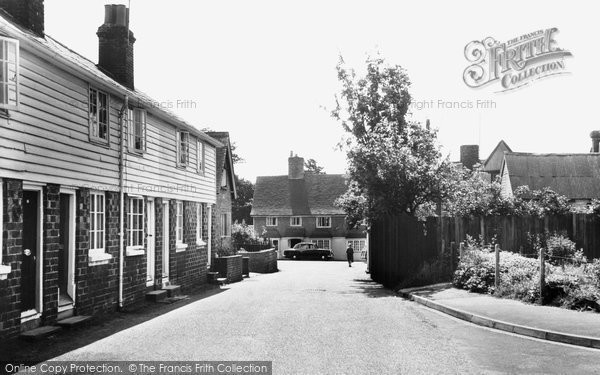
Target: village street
{"points": [[327, 318]]}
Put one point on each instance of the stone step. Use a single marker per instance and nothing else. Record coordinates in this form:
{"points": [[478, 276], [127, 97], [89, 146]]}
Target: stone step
{"points": [[212, 276], [67, 313], [39, 333], [156, 295], [172, 290], [221, 281], [74, 321]]}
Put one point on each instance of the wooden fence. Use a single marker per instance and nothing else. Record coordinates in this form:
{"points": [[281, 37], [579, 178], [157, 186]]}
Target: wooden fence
{"points": [[401, 245]]}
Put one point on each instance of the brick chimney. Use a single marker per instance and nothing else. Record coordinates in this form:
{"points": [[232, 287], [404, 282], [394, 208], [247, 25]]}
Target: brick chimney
{"points": [[295, 167], [469, 155], [595, 135], [115, 53], [27, 13]]}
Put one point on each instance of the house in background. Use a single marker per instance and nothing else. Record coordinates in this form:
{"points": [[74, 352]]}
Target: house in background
{"points": [[493, 164], [226, 193], [105, 195], [576, 176], [299, 207]]}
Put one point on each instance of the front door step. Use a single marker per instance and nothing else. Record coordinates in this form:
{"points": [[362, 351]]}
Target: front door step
{"points": [[73, 321], [156, 295], [64, 314], [39, 333], [172, 290]]}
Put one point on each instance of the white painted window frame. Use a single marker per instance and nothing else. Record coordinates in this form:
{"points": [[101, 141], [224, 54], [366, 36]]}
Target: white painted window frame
{"points": [[133, 249], [271, 223], [5, 66], [133, 115], [179, 212], [324, 217], [316, 242], [183, 149], [200, 156], [292, 221], [225, 227], [96, 120], [4, 269], [354, 244], [199, 222], [98, 256]]}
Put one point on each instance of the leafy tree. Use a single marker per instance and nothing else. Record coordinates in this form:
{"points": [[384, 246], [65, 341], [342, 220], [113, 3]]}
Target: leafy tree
{"points": [[312, 167], [241, 207], [394, 165]]}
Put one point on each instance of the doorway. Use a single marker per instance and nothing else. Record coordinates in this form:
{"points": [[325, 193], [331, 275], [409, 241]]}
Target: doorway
{"points": [[31, 256], [150, 253], [294, 241], [165, 249], [66, 253]]}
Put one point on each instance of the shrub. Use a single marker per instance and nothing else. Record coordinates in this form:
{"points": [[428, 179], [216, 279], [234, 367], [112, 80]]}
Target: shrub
{"points": [[476, 271], [560, 249], [519, 277], [244, 234]]}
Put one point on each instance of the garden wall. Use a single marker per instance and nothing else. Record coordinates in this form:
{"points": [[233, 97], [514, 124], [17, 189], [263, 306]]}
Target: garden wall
{"points": [[264, 261], [229, 267]]}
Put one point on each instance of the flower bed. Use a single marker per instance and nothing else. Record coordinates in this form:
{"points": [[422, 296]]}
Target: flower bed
{"points": [[570, 281]]}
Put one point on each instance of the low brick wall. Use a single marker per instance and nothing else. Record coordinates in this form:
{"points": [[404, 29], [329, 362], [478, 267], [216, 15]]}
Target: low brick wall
{"points": [[264, 261], [229, 267]]}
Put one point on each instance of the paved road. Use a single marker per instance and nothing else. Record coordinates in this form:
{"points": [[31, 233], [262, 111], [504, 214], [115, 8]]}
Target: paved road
{"points": [[327, 318]]}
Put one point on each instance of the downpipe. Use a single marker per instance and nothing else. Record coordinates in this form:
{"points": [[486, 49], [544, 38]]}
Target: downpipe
{"points": [[122, 117]]}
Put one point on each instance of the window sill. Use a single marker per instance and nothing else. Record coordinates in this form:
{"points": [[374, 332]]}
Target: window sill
{"points": [[4, 271], [132, 251], [99, 259], [200, 243], [99, 142], [136, 152], [180, 247]]}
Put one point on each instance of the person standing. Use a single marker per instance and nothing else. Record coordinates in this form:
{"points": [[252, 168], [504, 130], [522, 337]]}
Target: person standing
{"points": [[350, 255]]}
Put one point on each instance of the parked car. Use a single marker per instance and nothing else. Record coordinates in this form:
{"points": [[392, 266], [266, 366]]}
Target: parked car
{"points": [[307, 250]]}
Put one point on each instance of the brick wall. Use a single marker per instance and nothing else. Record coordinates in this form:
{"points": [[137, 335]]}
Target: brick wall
{"points": [[264, 261], [158, 241], [229, 267], [10, 289], [134, 267], [97, 285], [51, 241], [222, 244]]}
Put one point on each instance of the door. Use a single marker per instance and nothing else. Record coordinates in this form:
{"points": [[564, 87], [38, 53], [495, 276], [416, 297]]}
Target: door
{"points": [[30, 254], [150, 253], [66, 252], [165, 252]]}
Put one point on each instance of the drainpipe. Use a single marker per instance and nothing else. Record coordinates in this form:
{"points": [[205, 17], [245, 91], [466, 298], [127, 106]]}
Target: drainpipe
{"points": [[122, 115]]}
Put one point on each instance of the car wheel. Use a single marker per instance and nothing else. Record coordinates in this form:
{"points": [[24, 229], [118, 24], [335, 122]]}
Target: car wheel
{"points": [[295, 257], [323, 257]]}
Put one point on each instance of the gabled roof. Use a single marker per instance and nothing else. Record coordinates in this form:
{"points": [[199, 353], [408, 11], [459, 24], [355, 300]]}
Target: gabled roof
{"points": [[577, 176], [224, 159], [494, 162], [52, 50], [315, 194]]}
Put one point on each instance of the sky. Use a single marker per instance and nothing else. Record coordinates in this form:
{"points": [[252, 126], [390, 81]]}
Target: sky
{"points": [[265, 70]]}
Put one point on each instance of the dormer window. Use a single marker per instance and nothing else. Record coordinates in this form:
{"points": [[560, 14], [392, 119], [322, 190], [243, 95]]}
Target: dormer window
{"points": [[9, 73], [137, 130], [98, 116]]}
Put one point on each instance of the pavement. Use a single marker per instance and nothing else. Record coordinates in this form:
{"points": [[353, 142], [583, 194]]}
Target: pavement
{"points": [[543, 322], [317, 317]]}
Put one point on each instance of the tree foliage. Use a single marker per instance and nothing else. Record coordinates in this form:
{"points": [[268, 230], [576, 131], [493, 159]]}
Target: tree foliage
{"points": [[394, 165], [242, 205], [311, 166]]}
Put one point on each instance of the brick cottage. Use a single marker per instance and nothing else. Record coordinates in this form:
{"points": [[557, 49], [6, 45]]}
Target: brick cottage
{"points": [[105, 195]]}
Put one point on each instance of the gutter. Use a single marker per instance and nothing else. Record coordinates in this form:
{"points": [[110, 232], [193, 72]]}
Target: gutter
{"points": [[122, 115]]}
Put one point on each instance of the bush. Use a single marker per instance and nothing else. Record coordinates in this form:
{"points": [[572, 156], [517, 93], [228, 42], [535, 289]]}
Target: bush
{"points": [[244, 234], [560, 249], [476, 271], [519, 277]]}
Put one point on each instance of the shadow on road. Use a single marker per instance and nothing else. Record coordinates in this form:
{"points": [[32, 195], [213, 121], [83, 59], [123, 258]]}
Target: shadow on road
{"points": [[29, 353], [371, 288]]}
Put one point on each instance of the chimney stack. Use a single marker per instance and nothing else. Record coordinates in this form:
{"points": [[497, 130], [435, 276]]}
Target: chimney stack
{"points": [[595, 135], [27, 13], [115, 52], [295, 167], [469, 155]]}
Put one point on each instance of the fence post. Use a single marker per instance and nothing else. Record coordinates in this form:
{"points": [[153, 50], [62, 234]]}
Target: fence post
{"points": [[497, 277], [542, 274], [461, 249]]}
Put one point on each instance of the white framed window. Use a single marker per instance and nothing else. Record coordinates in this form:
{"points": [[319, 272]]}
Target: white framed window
{"points": [[199, 156], [9, 73], [357, 245], [136, 123], [179, 221], [183, 148], [225, 227], [199, 223], [4, 269], [322, 244], [295, 221], [271, 221], [97, 222], [99, 116], [135, 228], [323, 222]]}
